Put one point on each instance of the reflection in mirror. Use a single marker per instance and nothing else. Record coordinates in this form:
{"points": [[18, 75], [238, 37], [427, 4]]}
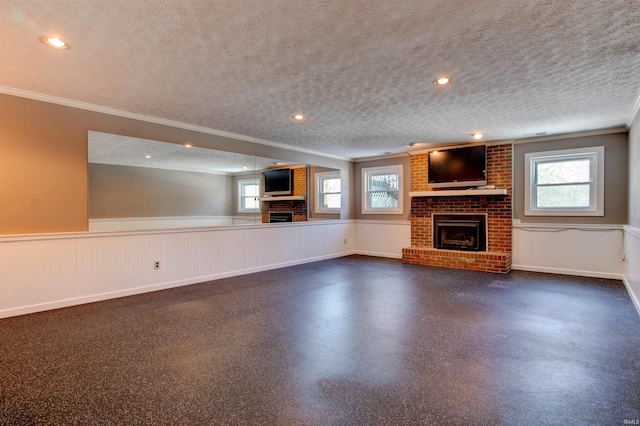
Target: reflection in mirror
{"points": [[143, 184], [325, 193]]}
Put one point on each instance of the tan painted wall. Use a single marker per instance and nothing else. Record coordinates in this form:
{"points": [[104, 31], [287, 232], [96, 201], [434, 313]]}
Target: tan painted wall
{"points": [[43, 161], [43, 168]]}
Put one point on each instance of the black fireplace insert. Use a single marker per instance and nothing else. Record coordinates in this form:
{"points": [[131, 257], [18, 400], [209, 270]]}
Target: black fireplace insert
{"points": [[465, 232]]}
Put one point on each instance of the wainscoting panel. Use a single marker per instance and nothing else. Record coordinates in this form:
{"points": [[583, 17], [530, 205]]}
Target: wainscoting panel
{"points": [[34, 272], [383, 238], [631, 266], [41, 272], [582, 250], [114, 263]]}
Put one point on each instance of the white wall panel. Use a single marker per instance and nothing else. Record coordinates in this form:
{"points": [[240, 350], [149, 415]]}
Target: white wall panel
{"points": [[382, 238], [51, 271], [35, 272], [584, 250], [210, 252], [115, 263], [631, 267]]}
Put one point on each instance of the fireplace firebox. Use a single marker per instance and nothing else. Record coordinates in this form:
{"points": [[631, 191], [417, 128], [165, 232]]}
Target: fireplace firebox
{"points": [[467, 232], [280, 217]]}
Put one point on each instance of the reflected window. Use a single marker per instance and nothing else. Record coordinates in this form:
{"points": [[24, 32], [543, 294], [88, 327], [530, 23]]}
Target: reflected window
{"points": [[248, 196], [328, 192]]}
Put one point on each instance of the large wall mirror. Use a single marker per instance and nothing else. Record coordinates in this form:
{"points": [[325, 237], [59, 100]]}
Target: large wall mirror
{"points": [[143, 184]]}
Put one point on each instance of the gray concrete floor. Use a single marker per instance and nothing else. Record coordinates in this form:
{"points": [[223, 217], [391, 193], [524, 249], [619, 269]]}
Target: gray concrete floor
{"points": [[349, 341]]}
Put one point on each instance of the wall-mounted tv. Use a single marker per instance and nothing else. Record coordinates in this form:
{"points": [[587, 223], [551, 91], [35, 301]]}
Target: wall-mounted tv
{"points": [[458, 167], [278, 182]]}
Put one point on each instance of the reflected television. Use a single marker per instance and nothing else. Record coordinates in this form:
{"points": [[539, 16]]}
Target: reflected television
{"points": [[278, 182]]}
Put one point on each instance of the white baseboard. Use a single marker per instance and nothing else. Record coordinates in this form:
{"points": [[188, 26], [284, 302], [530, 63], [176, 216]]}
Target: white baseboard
{"points": [[378, 254], [632, 295], [575, 272]]}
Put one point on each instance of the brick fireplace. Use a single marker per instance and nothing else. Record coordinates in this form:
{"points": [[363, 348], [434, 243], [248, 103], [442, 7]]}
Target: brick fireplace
{"points": [[460, 214]]}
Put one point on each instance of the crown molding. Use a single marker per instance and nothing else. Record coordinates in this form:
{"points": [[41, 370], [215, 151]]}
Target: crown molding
{"points": [[380, 157], [598, 132], [460, 145], [634, 112], [155, 120]]}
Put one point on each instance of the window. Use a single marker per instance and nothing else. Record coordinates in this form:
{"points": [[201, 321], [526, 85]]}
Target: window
{"points": [[328, 192], [565, 183], [382, 190], [248, 196]]}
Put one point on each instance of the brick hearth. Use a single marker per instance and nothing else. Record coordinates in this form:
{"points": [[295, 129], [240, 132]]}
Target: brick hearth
{"points": [[497, 258]]}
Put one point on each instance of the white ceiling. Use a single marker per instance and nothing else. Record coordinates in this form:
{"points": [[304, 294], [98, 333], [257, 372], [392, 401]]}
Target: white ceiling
{"points": [[361, 70]]}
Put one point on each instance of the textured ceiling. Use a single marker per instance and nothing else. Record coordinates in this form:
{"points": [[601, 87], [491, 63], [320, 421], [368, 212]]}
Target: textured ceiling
{"points": [[105, 148], [361, 70]]}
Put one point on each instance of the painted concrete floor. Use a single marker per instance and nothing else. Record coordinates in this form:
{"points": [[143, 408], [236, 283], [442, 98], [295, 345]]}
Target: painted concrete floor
{"points": [[349, 341]]}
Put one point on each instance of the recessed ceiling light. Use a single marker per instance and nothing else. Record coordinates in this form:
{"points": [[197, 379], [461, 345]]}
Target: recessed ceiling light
{"points": [[477, 135], [147, 156], [245, 167], [187, 145], [54, 42], [298, 117], [442, 81], [412, 143]]}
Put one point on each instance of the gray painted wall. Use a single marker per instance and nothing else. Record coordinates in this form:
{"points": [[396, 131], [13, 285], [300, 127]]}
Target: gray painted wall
{"points": [[122, 191], [615, 179], [357, 188]]}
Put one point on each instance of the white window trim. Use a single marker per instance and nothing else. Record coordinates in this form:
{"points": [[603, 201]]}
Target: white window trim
{"points": [[596, 154], [319, 177], [247, 182], [366, 208]]}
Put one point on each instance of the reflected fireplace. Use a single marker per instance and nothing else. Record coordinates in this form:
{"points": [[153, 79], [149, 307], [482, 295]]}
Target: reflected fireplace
{"points": [[467, 232], [280, 217]]}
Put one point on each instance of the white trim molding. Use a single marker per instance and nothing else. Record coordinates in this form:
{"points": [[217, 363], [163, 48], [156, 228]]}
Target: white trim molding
{"points": [[634, 112]]}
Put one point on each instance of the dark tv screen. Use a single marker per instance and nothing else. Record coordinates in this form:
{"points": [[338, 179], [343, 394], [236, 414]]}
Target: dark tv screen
{"points": [[278, 182], [457, 167]]}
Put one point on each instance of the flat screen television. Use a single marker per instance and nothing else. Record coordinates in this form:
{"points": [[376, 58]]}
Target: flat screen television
{"points": [[278, 182], [458, 167]]}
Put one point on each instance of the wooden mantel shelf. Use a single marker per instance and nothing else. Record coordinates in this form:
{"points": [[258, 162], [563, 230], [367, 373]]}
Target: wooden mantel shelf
{"points": [[284, 198], [460, 193]]}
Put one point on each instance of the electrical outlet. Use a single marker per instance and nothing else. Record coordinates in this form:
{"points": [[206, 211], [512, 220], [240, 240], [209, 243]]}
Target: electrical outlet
{"points": [[156, 264]]}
